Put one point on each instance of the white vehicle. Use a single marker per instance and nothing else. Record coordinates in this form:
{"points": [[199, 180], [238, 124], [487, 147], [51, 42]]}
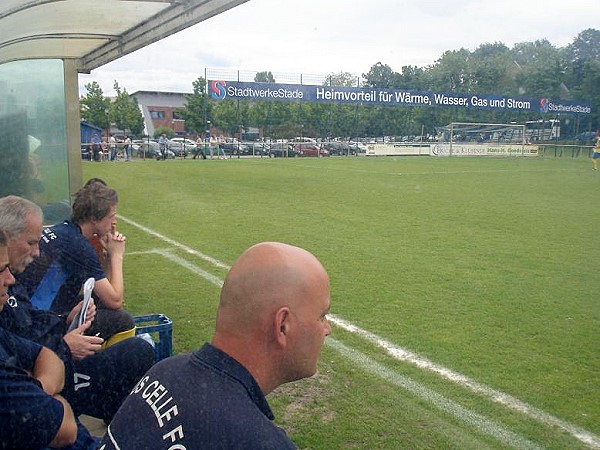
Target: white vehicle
{"points": [[359, 147], [181, 146], [181, 143], [305, 139]]}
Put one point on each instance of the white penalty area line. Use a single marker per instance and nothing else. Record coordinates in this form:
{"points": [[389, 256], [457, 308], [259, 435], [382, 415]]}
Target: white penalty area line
{"points": [[404, 355]]}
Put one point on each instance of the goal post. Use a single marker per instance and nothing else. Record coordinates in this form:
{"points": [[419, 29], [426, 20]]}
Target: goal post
{"points": [[483, 139]]}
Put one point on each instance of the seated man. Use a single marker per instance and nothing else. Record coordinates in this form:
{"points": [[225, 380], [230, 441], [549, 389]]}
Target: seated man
{"points": [[97, 380], [32, 413], [67, 259], [271, 324]]}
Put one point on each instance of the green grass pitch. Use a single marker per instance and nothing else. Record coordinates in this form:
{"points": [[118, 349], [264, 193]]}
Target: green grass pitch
{"points": [[488, 267]]}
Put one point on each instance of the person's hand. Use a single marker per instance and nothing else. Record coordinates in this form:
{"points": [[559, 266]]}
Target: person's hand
{"points": [[116, 236], [74, 312], [89, 316], [115, 244], [81, 345], [99, 242]]}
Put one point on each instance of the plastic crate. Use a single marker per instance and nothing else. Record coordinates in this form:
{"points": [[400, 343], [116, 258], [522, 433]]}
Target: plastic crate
{"points": [[160, 327]]}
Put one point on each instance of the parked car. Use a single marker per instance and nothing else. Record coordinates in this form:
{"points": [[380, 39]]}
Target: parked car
{"points": [[310, 149], [359, 147], [341, 148], [182, 146], [233, 147], [305, 139], [150, 149], [183, 142], [252, 149], [282, 150]]}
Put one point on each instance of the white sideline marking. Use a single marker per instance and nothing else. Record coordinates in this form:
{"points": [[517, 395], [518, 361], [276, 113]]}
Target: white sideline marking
{"points": [[493, 394], [191, 267], [174, 243], [478, 421], [397, 352]]}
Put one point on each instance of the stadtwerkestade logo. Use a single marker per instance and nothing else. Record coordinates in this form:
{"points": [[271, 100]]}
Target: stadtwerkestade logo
{"points": [[544, 104], [217, 89]]}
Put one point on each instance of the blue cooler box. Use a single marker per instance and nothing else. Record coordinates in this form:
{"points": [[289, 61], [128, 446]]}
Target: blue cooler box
{"points": [[160, 327]]}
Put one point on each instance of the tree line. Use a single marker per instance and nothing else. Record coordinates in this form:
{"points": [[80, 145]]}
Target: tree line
{"points": [[528, 69]]}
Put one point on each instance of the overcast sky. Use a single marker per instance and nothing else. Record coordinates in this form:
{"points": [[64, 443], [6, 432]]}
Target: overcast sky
{"points": [[332, 36]]}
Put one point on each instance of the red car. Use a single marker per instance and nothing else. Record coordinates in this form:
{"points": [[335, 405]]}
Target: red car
{"points": [[310, 149]]}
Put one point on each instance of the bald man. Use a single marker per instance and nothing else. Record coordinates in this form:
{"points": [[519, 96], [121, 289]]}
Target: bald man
{"points": [[271, 324]]}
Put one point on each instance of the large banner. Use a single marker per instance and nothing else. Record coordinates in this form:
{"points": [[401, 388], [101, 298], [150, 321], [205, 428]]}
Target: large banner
{"points": [[220, 89], [447, 149]]}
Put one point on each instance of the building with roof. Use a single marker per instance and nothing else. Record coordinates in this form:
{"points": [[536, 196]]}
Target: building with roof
{"points": [[160, 109]]}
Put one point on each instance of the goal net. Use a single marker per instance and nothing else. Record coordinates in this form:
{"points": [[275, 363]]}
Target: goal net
{"points": [[482, 139]]}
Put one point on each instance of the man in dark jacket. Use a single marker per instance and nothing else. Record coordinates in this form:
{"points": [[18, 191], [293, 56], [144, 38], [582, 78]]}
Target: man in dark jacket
{"points": [[96, 380], [271, 324]]}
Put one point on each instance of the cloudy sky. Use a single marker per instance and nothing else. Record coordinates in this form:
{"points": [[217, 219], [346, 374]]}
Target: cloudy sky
{"points": [[332, 36]]}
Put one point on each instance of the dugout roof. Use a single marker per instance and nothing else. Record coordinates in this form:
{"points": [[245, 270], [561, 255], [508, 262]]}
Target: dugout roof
{"points": [[94, 32]]}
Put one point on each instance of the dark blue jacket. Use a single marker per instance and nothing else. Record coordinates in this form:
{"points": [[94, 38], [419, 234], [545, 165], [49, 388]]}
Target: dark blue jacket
{"points": [[203, 400]]}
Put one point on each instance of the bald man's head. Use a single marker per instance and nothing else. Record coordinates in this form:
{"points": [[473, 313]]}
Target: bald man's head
{"points": [[276, 296], [265, 277]]}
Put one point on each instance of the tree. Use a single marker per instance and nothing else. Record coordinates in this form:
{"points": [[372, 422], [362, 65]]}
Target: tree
{"points": [[411, 77], [226, 116], [164, 130], [542, 68], [94, 106], [259, 114], [584, 48], [264, 77], [380, 76], [493, 69], [197, 110], [453, 72], [590, 92], [125, 113], [339, 120], [346, 79]]}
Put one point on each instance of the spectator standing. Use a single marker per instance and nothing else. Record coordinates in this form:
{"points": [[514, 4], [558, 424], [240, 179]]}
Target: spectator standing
{"points": [[199, 148], [127, 148], [163, 146], [96, 147], [274, 301], [214, 145], [112, 146], [221, 148]]}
